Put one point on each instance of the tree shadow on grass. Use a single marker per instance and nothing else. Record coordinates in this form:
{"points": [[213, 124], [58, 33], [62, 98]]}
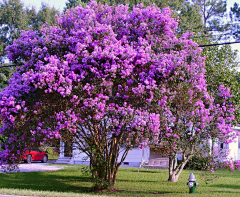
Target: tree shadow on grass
{"points": [[62, 181], [138, 193], [67, 180], [138, 181], [152, 171], [46, 181], [226, 186]]}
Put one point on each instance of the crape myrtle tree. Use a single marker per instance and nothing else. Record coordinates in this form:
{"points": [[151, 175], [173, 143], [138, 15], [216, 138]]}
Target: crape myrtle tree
{"points": [[87, 79], [105, 77], [190, 118]]}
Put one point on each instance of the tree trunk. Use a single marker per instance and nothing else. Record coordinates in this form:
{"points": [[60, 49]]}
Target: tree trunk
{"points": [[104, 168], [173, 177], [176, 169]]}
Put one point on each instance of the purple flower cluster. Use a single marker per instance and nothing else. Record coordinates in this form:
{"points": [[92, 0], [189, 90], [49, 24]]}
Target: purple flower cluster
{"points": [[105, 71]]}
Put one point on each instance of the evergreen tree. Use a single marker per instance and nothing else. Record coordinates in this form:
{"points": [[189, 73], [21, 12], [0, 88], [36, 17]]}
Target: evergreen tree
{"points": [[72, 4], [235, 18], [213, 13], [46, 15], [12, 19]]}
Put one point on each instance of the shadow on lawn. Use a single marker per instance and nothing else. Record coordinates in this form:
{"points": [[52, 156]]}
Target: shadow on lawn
{"points": [[61, 181], [226, 186], [68, 180], [138, 181], [46, 181], [137, 193]]}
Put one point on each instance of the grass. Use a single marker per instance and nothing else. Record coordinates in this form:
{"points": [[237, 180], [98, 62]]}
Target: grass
{"points": [[53, 157], [72, 182], [52, 153]]}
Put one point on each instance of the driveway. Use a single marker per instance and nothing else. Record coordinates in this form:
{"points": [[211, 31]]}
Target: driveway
{"points": [[13, 196], [34, 167]]}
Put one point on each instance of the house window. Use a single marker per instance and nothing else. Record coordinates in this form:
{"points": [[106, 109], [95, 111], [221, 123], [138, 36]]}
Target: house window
{"points": [[221, 145]]}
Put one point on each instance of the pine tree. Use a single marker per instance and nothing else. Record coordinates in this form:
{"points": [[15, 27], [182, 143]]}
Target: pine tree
{"points": [[235, 18]]}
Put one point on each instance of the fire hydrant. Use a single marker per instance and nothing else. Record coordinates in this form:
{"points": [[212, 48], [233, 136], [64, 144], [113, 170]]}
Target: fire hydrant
{"points": [[192, 184]]}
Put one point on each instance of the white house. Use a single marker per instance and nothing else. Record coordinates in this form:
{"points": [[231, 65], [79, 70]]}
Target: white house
{"points": [[133, 159], [136, 156]]}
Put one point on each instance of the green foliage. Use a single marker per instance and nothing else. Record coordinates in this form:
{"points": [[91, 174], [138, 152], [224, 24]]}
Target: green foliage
{"points": [[222, 68], [209, 177], [5, 75], [44, 15], [235, 17], [2, 139], [198, 163], [211, 10], [213, 14], [72, 4], [14, 18], [52, 153]]}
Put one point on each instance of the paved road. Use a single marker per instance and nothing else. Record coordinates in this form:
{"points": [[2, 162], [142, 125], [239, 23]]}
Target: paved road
{"points": [[33, 167], [14, 196]]}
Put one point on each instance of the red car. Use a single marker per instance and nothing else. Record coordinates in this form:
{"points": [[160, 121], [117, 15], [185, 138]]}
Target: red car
{"points": [[34, 155]]}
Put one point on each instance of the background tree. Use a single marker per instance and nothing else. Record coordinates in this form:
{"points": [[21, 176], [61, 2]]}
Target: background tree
{"points": [[235, 17], [44, 15], [212, 12], [71, 4], [222, 68], [14, 18]]}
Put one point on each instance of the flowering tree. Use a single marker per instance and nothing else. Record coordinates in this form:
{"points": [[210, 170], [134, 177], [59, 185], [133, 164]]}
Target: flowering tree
{"points": [[190, 120], [82, 80], [104, 77]]}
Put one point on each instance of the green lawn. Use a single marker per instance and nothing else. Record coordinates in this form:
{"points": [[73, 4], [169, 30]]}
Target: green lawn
{"points": [[72, 182]]}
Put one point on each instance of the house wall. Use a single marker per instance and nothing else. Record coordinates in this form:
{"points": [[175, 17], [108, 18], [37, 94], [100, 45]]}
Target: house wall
{"points": [[233, 146], [133, 158]]}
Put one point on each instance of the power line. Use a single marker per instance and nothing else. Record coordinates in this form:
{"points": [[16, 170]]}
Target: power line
{"points": [[203, 45], [213, 26], [12, 65], [217, 44], [214, 35]]}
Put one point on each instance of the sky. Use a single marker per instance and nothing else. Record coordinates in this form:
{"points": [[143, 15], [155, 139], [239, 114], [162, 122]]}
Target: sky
{"points": [[60, 4]]}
